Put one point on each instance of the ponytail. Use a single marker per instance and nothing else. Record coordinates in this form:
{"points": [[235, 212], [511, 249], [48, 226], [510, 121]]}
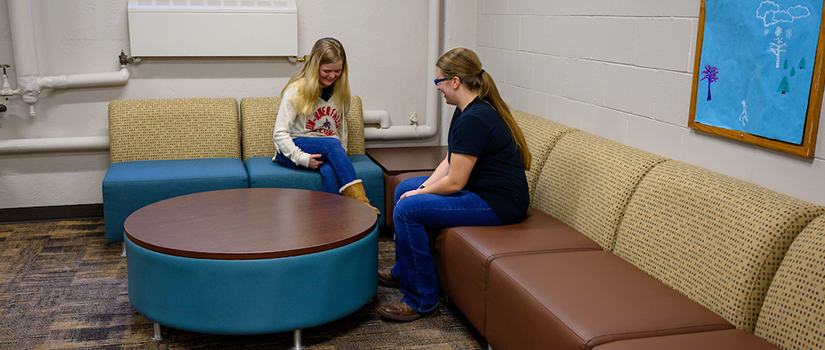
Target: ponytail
{"points": [[464, 63], [489, 93]]}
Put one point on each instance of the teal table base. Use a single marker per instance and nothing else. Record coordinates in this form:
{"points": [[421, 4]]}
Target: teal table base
{"points": [[257, 296]]}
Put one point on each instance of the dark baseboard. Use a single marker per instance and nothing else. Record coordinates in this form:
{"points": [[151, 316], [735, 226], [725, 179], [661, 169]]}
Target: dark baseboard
{"points": [[52, 213]]}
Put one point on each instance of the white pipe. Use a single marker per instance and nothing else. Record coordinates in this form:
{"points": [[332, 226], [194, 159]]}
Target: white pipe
{"points": [[380, 117], [22, 37], [85, 80], [55, 144], [431, 127], [29, 84]]}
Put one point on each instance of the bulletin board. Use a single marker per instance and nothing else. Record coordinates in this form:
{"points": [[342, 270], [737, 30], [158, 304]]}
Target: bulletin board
{"points": [[758, 74]]}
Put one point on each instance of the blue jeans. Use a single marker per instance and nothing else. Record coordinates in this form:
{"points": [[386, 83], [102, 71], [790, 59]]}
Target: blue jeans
{"points": [[337, 169], [413, 217]]}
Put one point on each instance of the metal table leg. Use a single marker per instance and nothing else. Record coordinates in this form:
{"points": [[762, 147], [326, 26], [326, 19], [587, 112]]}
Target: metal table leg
{"points": [[296, 335], [158, 334]]}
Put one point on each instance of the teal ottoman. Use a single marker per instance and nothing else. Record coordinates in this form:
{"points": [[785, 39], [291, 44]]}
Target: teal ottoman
{"points": [[129, 186], [251, 261]]}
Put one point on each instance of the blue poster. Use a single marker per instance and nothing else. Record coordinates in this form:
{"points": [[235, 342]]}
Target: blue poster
{"points": [[756, 66]]}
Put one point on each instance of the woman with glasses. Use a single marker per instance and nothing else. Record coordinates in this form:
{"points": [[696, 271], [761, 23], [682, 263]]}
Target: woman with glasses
{"points": [[481, 182], [311, 129]]}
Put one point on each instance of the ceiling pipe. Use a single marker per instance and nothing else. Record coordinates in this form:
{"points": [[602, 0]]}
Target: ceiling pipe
{"points": [[430, 128]]}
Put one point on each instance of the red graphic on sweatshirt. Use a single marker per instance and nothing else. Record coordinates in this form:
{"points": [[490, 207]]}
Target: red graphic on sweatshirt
{"points": [[323, 119]]}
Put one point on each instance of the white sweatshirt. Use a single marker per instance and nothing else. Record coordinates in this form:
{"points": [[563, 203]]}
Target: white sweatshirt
{"points": [[325, 122]]}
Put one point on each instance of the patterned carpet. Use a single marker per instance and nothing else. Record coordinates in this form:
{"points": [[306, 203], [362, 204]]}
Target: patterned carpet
{"points": [[63, 287]]}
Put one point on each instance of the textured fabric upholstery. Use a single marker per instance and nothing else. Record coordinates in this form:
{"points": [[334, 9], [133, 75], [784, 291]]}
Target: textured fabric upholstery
{"points": [[541, 136], [587, 181], [173, 128], [716, 239], [161, 148], [258, 123], [793, 314]]}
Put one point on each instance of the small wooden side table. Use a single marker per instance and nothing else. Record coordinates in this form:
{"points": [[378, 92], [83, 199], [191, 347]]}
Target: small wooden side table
{"points": [[397, 161]]}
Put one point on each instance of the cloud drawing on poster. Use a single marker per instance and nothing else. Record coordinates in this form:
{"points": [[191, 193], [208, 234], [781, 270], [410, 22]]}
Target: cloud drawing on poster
{"points": [[770, 13]]}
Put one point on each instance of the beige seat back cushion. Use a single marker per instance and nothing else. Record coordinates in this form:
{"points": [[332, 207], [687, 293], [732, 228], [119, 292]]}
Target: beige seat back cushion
{"points": [[258, 123], [541, 136], [174, 128], [793, 314], [587, 181], [714, 238]]}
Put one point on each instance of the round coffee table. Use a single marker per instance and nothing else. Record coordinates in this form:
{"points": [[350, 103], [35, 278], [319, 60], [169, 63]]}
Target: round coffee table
{"points": [[251, 261]]}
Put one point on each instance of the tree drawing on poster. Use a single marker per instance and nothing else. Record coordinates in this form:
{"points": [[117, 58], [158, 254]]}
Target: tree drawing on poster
{"points": [[711, 74], [754, 55]]}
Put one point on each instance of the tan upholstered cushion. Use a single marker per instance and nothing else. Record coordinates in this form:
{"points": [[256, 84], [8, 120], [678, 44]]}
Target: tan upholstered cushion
{"points": [[793, 314], [258, 123], [173, 128], [355, 127], [587, 181], [541, 136], [714, 238]]}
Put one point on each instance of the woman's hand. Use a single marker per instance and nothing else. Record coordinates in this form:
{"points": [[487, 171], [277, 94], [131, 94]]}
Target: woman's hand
{"points": [[454, 178], [409, 193], [314, 161]]}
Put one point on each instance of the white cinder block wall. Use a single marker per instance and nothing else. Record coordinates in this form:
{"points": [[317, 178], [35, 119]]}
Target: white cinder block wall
{"points": [[620, 69], [623, 70], [386, 46]]}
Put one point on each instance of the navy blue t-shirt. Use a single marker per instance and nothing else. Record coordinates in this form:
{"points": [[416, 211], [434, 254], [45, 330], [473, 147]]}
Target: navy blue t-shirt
{"points": [[498, 175]]}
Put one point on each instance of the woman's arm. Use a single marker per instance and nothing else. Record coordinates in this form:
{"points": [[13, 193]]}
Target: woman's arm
{"points": [[457, 173], [439, 172], [283, 124], [343, 132]]}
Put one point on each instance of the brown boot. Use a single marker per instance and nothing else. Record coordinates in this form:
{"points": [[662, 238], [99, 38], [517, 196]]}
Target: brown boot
{"points": [[400, 311], [356, 191], [385, 278]]}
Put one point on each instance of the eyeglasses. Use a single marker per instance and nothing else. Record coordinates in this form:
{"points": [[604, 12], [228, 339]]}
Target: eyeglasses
{"points": [[436, 81]]}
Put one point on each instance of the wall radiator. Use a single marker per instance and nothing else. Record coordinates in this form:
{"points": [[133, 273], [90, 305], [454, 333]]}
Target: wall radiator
{"points": [[213, 28]]}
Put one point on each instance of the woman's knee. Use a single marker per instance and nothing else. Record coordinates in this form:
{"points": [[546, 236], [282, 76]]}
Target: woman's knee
{"points": [[324, 145], [331, 144], [400, 213]]}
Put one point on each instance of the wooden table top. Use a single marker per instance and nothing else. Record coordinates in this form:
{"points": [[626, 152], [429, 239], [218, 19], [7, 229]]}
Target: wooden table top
{"points": [[250, 223], [397, 160]]}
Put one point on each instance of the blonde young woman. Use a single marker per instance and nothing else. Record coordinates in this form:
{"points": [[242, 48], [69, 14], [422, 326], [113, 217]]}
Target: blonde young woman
{"points": [[481, 182], [311, 129]]}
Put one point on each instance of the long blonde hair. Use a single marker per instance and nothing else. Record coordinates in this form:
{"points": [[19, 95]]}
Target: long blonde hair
{"points": [[464, 63], [306, 79]]}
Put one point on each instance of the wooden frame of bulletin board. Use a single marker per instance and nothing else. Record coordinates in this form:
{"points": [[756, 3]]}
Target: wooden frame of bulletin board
{"points": [[755, 58]]}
